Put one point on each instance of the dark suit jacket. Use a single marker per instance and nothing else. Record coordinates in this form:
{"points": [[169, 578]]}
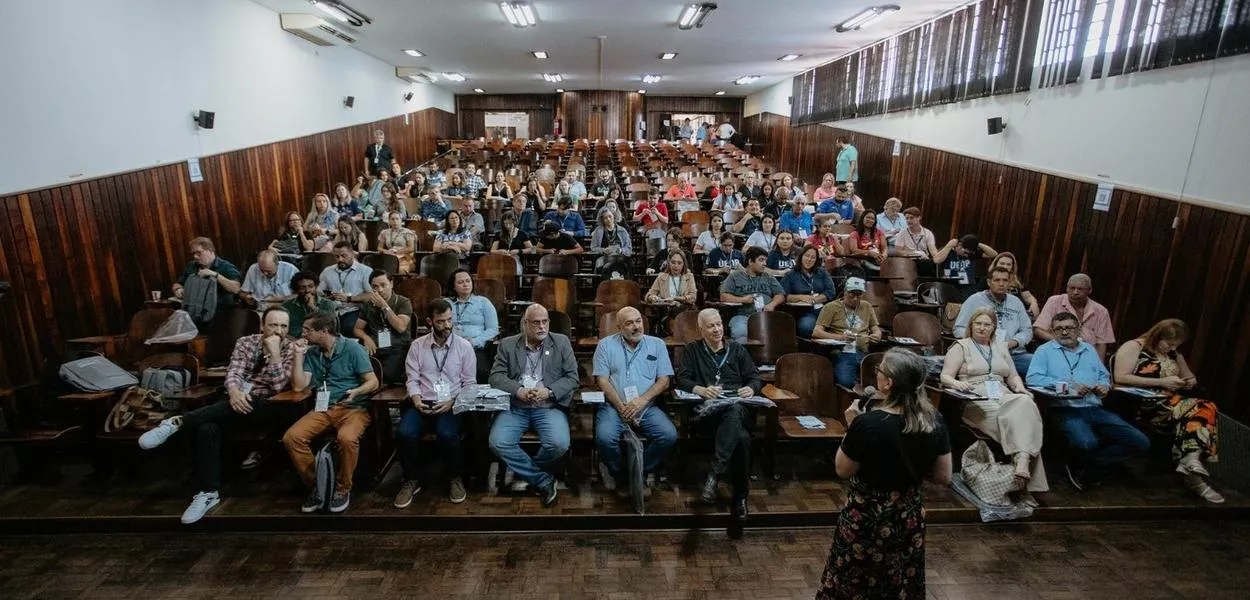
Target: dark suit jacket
{"points": [[559, 367]]}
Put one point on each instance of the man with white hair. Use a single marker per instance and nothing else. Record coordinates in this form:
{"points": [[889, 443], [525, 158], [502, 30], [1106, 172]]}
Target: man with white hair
{"points": [[632, 369], [1094, 319], [268, 281]]}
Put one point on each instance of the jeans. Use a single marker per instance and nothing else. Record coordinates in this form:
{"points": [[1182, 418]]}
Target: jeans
{"points": [[552, 427], [807, 323], [408, 441], [609, 427], [846, 368], [731, 439], [206, 425], [1098, 438], [1021, 360], [349, 425], [738, 328]]}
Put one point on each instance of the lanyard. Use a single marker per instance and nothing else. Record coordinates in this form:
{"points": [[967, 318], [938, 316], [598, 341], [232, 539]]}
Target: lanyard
{"points": [[446, 352], [1071, 365], [674, 286], [460, 308], [630, 357], [377, 153], [532, 358], [343, 275], [989, 357], [917, 242], [720, 365]]}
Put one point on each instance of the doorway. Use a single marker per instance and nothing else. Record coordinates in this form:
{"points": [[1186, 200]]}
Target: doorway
{"points": [[511, 125]]}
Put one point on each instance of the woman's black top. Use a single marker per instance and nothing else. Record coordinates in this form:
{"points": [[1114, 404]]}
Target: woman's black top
{"points": [[889, 460]]}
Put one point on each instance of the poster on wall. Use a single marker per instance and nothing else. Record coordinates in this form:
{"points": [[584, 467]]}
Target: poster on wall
{"points": [[193, 167], [1102, 198]]}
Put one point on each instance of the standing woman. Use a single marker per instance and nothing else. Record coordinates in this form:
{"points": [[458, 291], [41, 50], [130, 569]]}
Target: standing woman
{"points": [[709, 240], [893, 441], [1152, 361], [808, 282], [1015, 287], [400, 242], [474, 318]]}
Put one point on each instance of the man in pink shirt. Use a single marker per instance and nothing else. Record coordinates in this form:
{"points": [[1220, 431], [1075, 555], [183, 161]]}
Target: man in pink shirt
{"points": [[1095, 320]]}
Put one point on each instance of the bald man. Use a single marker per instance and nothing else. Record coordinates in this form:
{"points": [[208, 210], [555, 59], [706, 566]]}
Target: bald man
{"points": [[632, 369], [538, 369], [268, 282], [1094, 319]]}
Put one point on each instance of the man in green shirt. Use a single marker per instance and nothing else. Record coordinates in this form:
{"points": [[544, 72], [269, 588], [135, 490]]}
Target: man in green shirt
{"points": [[340, 375], [384, 326], [306, 301], [849, 319]]}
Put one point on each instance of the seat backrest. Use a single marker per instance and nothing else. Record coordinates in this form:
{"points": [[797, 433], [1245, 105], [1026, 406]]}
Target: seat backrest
{"points": [[316, 262], [609, 326], [881, 297], [226, 329], [776, 329], [920, 326], [145, 322], [492, 289], [425, 234], [685, 326], [439, 266], [936, 292], [500, 267], [868, 369], [695, 216], [381, 262], [810, 377], [905, 269], [555, 293], [560, 323], [616, 294], [418, 290], [558, 265]]}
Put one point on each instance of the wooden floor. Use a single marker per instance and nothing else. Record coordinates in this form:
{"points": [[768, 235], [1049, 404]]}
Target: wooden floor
{"points": [[1053, 561]]}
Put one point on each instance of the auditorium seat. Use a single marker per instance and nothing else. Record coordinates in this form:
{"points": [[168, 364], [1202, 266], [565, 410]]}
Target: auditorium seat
{"points": [[439, 267], [802, 390], [500, 267], [381, 262]]}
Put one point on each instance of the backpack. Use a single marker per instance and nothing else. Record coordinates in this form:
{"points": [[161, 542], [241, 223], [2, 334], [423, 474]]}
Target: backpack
{"points": [[96, 374], [165, 381], [326, 463], [199, 298]]}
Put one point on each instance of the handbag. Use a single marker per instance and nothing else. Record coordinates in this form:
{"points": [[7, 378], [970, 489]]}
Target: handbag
{"points": [[989, 479], [139, 408]]}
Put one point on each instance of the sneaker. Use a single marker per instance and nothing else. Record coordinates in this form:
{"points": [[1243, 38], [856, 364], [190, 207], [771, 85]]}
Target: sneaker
{"points": [[312, 503], [457, 493], [340, 501], [157, 435], [1027, 499], [1074, 477], [609, 482], [1203, 489], [409, 489], [253, 460], [200, 505], [548, 494], [708, 494], [1190, 465]]}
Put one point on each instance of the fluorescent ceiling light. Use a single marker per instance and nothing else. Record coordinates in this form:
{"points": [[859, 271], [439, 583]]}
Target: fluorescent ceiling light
{"points": [[479, 90], [414, 53], [559, 90], [423, 78], [342, 12], [331, 10], [642, 91], [789, 57], [651, 78], [553, 77], [692, 15], [866, 17], [456, 77], [719, 93], [539, 54], [668, 56], [746, 80], [520, 14]]}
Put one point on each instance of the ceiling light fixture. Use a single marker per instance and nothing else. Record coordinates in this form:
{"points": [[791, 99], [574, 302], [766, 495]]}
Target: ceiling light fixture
{"points": [[789, 57], [746, 80], [553, 77], [414, 53], [341, 12], [479, 90], [668, 56], [520, 14], [559, 90], [651, 78], [866, 17], [692, 15], [539, 54], [423, 78], [719, 93], [456, 77], [642, 91]]}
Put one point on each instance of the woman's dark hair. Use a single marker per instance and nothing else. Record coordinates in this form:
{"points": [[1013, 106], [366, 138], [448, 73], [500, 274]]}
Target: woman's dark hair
{"points": [[388, 187], [505, 238], [447, 222], [767, 190], [907, 373], [451, 281], [862, 229], [286, 223], [798, 264]]}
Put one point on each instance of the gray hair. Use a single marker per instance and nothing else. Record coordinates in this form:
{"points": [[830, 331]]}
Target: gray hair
{"points": [[1081, 278], [706, 314]]}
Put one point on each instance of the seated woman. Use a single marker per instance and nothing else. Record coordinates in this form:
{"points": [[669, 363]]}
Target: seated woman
{"points": [[981, 364], [291, 238], [400, 242], [724, 258], [827, 243], [891, 222], [768, 200], [562, 191], [710, 238], [433, 208], [498, 193], [537, 196], [808, 282], [675, 283], [783, 256], [672, 240], [1151, 361], [714, 188], [766, 236], [612, 203], [321, 218], [347, 230], [1016, 288], [866, 247], [610, 239], [795, 190], [729, 199], [454, 237], [826, 191], [511, 241], [392, 205], [457, 191], [343, 203], [474, 318]]}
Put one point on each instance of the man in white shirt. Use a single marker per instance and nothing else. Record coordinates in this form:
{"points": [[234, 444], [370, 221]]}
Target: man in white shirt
{"points": [[725, 131], [268, 282]]}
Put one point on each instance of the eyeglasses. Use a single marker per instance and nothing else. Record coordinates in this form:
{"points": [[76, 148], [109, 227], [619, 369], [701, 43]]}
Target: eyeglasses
{"points": [[1064, 328]]}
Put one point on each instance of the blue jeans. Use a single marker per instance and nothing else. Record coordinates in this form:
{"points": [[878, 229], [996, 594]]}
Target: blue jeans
{"points": [[1097, 437], [738, 328], [1021, 361], [408, 438], [609, 427], [807, 323], [552, 427], [846, 368]]}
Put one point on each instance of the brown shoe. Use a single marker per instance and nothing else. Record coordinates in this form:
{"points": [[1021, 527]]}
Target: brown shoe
{"points": [[457, 493], [406, 493]]}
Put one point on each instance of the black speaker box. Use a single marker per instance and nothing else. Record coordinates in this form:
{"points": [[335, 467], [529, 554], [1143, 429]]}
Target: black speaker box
{"points": [[205, 119], [995, 125], [349, 101]]}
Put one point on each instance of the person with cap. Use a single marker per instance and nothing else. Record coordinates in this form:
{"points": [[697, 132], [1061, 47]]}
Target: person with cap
{"points": [[849, 319], [955, 262], [554, 241]]}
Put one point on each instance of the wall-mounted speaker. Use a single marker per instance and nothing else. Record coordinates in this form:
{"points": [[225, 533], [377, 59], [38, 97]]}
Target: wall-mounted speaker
{"points": [[349, 101], [408, 97], [204, 119], [995, 125]]}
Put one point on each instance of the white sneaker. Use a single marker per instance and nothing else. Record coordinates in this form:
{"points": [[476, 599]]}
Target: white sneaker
{"points": [[609, 482], [200, 505], [1203, 489], [157, 435]]}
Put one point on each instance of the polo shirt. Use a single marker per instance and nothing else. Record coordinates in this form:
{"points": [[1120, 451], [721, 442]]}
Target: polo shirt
{"points": [[800, 226], [912, 241], [352, 281], [639, 367], [846, 156], [1095, 321], [222, 267], [343, 370], [375, 319], [837, 318], [299, 311], [262, 287], [741, 283], [844, 209], [456, 358], [475, 319], [1013, 319], [1053, 362]]}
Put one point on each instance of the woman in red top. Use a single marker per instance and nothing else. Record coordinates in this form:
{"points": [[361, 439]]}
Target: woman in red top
{"points": [[867, 245], [682, 189], [713, 189], [827, 244]]}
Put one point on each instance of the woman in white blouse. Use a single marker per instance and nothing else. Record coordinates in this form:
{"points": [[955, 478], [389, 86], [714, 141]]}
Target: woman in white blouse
{"points": [[764, 237], [710, 239]]}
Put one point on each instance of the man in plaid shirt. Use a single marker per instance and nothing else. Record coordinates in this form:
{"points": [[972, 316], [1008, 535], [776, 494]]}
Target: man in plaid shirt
{"points": [[260, 367], [472, 181]]}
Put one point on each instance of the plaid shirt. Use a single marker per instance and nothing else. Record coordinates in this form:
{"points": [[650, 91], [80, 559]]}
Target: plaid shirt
{"points": [[474, 183], [248, 364]]}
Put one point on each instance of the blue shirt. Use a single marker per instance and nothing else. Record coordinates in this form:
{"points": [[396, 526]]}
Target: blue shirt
{"points": [[624, 367], [475, 320], [800, 226], [430, 209], [844, 209], [572, 222], [343, 370], [263, 288], [846, 156], [717, 259], [1052, 363], [1013, 320], [778, 261], [818, 282]]}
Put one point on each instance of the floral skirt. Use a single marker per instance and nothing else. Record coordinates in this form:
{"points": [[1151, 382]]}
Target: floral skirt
{"points": [[878, 547], [1190, 422]]}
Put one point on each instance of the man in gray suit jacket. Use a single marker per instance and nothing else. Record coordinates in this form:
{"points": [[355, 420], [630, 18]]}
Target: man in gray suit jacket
{"points": [[538, 369]]}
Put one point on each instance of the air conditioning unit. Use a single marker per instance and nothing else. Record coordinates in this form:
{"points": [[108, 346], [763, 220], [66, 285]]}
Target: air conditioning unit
{"points": [[313, 29]]}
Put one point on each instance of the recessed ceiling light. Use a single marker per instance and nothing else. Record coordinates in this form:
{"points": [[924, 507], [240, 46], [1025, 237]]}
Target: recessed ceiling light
{"points": [[865, 17], [642, 91], [415, 53], [789, 57], [746, 80], [692, 15], [559, 90], [668, 56], [456, 77], [719, 93], [479, 90], [520, 14], [539, 54], [553, 77], [651, 78]]}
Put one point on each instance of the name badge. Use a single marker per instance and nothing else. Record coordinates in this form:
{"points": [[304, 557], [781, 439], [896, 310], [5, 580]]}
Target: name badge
{"points": [[994, 389], [384, 338], [631, 393], [442, 389], [759, 302], [323, 399], [529, 381], [246, 388]]}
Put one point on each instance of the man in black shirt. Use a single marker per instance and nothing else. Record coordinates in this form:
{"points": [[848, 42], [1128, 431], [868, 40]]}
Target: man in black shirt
{"points": [[553, 240], [714, 368], [378, 156]]}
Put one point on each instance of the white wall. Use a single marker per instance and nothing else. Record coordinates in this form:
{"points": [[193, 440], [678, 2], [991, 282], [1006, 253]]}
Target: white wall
{"points": [[1161, 132], [773, 99], [107, 86]]}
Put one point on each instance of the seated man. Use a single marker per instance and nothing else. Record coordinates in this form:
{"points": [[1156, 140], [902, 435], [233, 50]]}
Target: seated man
{"points": [[753, 289], [260, 367], [853, 320], [440, 364], [652, 216], [525, 219], [916, 241], [797, 220], [724, 258], [632, 369], [385, 325], [346, 283], [568, 220], [554, 241], [268, 282], [1014, 326], [473, 221], [207, 265], [338, 372], [1093, 317], [839, 208], [305, 302], [714, 367], [751, 219], [1097, 438], [538, 369]]}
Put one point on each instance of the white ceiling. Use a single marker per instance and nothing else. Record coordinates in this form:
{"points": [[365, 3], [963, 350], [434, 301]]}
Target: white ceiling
{"points": [[741, 37]]}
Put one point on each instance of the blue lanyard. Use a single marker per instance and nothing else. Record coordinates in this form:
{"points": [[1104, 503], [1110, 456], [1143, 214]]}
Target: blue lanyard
{"points": [[630, 357], [1071, 365], [989, 358], [446, 352], [720, 365]]}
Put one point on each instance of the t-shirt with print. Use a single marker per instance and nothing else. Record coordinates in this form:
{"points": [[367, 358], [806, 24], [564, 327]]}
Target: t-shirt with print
{"points": [[717, 259]]}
